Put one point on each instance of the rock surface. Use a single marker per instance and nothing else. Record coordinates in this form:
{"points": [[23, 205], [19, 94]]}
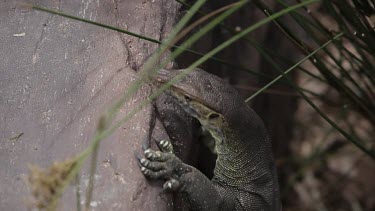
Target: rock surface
{"points": [[57, 76]]}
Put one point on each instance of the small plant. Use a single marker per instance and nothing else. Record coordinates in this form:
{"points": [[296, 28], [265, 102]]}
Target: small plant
{"points": [[47, 185]]}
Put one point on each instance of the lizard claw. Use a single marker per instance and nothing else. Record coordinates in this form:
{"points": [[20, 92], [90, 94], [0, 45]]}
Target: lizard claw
{"points": [[171, 185], [138, 157], [165, 146], [146, 144]]}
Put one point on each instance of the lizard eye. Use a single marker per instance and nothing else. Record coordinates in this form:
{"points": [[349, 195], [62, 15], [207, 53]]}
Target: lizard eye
{"points": [[187, 98], [213, 116]]}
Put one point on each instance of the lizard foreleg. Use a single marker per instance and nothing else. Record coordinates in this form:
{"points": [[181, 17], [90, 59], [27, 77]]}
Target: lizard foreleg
{"points": [[197, 188]]}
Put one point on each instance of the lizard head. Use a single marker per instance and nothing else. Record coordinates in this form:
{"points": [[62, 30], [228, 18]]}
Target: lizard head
{"points": [[209, 99]]}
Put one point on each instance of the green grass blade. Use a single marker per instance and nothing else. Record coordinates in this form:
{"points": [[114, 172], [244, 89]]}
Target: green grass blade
{"points": [[192, 39], [55, 12], [194, 65], [292, 68], [358, 143], [238, 36]]}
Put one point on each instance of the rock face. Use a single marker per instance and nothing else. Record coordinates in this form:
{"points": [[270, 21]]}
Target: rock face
{"points": [[57, 76]]}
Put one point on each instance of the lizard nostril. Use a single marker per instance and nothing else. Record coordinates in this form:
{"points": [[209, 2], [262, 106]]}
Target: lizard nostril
{"points": [[213, 116]]}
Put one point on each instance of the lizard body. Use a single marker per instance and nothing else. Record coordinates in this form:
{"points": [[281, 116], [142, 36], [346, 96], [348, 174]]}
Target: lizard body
{"points": [[245, 176]]}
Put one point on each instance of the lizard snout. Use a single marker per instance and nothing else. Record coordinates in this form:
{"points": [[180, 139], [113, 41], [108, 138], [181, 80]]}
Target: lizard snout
{"points": [[163, 76]]}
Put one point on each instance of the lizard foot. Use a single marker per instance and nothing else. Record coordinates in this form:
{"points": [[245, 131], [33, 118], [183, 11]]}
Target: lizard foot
{"points": [[163, 165]]}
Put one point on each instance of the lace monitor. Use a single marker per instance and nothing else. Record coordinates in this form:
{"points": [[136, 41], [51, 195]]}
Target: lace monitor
{"points": [[245, 176]]}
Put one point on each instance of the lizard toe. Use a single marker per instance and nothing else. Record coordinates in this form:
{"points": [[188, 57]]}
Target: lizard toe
{"points": [[162, 174], [165, 146], [153, 165], [157, 155], [171, 185]]}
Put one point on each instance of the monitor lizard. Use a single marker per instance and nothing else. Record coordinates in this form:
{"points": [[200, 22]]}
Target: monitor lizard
{"points": [[245, 176]]}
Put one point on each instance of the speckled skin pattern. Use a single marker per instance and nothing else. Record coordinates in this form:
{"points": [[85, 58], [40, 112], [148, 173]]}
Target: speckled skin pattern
{"points": [[245, 176]]}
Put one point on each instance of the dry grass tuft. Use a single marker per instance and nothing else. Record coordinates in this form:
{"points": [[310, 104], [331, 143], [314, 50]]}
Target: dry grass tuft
{"points": [[47, 184]]}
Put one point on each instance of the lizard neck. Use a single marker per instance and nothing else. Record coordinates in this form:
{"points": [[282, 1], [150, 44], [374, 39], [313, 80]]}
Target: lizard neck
{"points": [[237, 159]]}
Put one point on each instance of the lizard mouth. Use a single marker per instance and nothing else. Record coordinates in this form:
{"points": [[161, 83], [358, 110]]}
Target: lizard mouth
{"points": [[199, 114], [191, 104], [184, 105]]}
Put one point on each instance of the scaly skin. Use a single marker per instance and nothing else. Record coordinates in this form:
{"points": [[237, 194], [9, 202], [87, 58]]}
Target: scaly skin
{"points": [[245, 175]]}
